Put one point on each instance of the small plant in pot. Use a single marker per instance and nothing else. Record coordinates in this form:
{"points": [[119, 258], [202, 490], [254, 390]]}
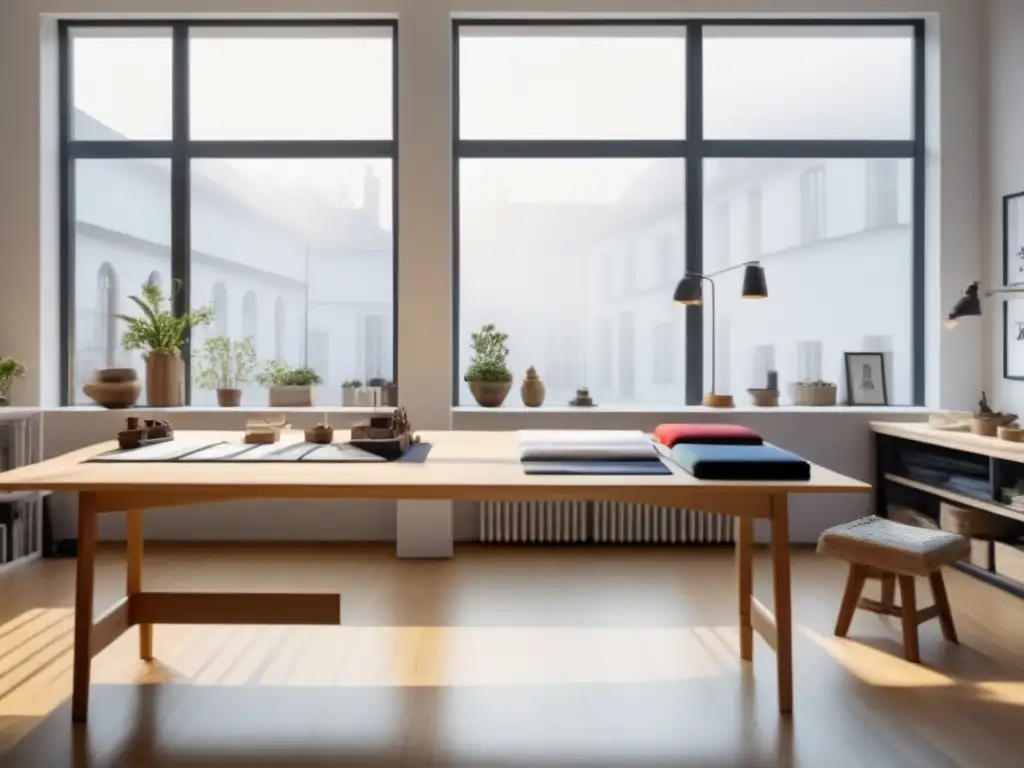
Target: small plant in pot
{"points": [[350, 393], [226, 366], [10, 369], [289, 387], [160, 334], [488, 374]]}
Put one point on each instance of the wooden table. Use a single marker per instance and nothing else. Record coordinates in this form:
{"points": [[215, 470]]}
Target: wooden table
{"points": [[471, 466]]}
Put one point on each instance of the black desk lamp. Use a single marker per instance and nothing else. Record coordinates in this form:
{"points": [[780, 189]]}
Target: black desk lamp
{"points": [[969, 305], [689, 292]]}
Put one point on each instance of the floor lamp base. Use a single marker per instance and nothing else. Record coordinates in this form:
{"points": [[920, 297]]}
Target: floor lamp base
{"points": [[712, 400]]}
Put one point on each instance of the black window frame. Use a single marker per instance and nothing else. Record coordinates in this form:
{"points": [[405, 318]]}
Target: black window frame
{"points": [[694, 149], [181, 150]]}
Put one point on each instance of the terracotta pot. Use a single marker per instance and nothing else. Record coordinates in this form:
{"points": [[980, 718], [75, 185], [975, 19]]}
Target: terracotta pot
{"points": [[532, 390], [229, 398], [165, 380], [114, 387], [290, 396], [490, 394]]}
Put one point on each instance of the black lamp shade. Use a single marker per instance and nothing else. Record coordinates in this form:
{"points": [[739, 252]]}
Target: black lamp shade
{"points": [[968, 305], [688, 291], [754, 284]]}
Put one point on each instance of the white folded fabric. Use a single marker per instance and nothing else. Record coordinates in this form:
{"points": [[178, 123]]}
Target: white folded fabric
{"points": [[585, 445]]}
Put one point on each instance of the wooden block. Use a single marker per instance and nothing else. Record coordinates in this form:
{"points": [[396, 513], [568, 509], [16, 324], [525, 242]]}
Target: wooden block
{"points": [[1009, 561], [973, 522], [899, 513]]}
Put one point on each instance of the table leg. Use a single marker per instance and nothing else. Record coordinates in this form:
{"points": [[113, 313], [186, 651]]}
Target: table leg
{"points": [[783, 606], [745, 582], [133, 586], [85, 573]]}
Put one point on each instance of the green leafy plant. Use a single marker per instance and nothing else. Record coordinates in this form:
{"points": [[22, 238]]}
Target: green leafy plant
{"points": [[225, 364], [159, 329], [277, 374], [352, 384], [489, 356], [10, 369]]}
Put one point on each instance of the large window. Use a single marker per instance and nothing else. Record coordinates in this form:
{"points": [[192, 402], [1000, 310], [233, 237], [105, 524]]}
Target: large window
{"points": [[597, 163], [571, 190], [245, 165]]}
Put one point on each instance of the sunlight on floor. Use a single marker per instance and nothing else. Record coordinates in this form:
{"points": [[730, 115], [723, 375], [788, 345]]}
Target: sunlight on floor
{"points": [[36, 658], [878, 667]]}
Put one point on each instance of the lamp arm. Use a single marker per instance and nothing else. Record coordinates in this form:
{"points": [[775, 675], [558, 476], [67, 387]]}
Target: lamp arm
{"points": [[1004, 289], [730, 269], [714, 338]]}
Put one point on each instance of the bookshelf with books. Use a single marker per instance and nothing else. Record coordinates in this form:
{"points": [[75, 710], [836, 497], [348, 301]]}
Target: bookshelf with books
{"points": [[21, 513]]}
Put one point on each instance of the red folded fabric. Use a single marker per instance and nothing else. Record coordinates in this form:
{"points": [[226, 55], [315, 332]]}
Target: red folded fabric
{"points": [[722, 434]]}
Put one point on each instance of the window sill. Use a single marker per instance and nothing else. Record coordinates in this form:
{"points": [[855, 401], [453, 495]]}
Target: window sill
{"points": [[257, 409], [668, 409]]}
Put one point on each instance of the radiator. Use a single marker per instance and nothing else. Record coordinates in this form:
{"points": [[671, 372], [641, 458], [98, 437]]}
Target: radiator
{"points": [[606, 522]]}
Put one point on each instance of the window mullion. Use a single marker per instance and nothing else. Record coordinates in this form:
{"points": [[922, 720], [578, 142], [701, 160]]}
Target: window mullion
{"points": [[181, 190]]}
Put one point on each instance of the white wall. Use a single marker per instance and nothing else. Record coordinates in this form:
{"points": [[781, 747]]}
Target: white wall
{"points": [[1005, 163], [28, 181]]}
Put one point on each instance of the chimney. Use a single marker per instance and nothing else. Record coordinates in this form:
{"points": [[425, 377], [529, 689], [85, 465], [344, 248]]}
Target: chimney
{"points": [[371, 196]]}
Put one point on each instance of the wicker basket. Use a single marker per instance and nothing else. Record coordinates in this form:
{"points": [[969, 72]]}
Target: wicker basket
{"points": [[814, 394]]}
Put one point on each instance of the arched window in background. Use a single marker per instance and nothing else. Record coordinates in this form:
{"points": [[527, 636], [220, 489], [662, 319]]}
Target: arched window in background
{"points": [[219, 302], [106, 311], [280, 329], [250, 323]]}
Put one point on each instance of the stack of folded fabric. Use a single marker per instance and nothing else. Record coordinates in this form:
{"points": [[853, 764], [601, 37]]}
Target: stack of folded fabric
{"points": [[589, 452], [729, 452]]}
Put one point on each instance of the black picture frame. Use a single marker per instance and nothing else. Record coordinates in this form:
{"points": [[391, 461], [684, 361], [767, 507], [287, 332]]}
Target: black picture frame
{"points": [[1010, 205], [850, 391], [1017, 375], [1010, 250]]}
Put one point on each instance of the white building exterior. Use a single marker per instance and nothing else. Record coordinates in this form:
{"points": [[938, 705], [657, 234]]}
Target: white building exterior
{"points": [[309, 282]]}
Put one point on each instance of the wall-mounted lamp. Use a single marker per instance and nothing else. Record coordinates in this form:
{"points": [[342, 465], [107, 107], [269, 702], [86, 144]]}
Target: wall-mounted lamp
{"points": [[689, 292], [969, 305]]}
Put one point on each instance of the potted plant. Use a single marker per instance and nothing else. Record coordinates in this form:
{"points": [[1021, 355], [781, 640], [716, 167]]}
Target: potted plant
{"points": [[488, 375], [289, 387], [160, 334], [10, 369], [226, 365], [350, 392]]}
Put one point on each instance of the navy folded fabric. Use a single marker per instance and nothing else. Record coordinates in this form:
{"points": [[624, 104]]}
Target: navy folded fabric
{"points": [[740, 462], [595, 468]]}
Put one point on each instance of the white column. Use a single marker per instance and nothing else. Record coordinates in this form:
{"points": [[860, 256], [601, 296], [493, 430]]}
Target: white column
{"points": [[425, 248]]}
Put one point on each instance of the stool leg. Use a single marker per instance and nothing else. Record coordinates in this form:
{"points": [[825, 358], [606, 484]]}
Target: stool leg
{"points": [[854, 585], [942, 601], [888, 589], [909, 601]]}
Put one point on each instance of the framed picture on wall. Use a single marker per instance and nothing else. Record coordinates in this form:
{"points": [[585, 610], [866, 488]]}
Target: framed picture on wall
{"points": [[1013, 239], [1013, 339], [865, 378]]}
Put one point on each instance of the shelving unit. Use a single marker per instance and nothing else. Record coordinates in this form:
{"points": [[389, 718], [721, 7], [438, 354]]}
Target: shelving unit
{"points": [[21, 513], [916, 465]]}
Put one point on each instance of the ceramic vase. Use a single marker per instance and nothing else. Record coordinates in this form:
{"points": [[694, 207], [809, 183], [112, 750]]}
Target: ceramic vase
{"points": [[165, 380], [114, 387], [532, 389]]}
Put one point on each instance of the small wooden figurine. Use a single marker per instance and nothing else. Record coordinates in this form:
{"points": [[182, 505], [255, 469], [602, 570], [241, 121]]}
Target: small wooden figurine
{"points": [[387, 435], [265, 430], [144, 432], [582, 399], [322, 434], [987, 422]]}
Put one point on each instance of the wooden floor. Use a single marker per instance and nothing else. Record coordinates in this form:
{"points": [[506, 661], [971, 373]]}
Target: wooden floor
{"points": [[543, 658]]}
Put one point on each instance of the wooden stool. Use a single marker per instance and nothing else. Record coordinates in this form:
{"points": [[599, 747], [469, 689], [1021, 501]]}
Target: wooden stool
{"points": [[878, 548]]}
